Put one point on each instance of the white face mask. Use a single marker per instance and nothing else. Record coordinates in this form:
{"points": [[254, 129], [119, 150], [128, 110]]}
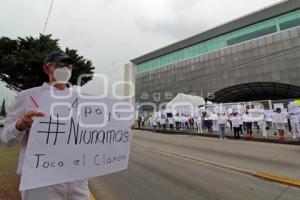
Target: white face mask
{"points": [[62, 74]]}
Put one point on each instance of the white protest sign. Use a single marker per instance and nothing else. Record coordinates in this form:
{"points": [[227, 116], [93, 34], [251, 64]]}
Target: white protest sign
{"points": [[79, 138], [268, 115], [278, 105], [238, 108], [229, 110], [220, 109], [293, 108]]}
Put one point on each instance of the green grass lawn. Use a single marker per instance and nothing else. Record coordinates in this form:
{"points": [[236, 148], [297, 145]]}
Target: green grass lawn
{"points": [[9, 181]]}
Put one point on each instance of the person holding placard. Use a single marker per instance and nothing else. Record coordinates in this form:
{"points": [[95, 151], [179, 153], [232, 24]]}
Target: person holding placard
{"points": [[236, 124], [177, 122], [58, 66], [199, 124], [222, 121], [171, 121], [279, 118], [247, 120]]}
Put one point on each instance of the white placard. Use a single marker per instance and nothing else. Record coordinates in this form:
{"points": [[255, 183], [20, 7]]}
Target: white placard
{"points": [[268, 115], [220, 109], [238, 108], [278, 105], [79, 138], [229, 110], [293, 108]]}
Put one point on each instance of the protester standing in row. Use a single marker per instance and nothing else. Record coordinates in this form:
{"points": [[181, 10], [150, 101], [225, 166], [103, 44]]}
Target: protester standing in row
{"points": [[199, 124], [207, 122], [279, 118], [222, 121], [294, 119], [261, 120], [177, 122], [247, 120], [236, 124]]}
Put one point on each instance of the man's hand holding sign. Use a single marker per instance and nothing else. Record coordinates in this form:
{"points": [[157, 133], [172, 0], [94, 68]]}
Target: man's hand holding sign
{"points": [[27, 119]]}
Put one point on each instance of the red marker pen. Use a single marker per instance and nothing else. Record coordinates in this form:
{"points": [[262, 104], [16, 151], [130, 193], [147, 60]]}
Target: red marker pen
{"points": [[34, 102]]}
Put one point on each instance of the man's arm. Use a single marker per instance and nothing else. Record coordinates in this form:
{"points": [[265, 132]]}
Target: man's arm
{"points": [[10, 133], [18, 120]]}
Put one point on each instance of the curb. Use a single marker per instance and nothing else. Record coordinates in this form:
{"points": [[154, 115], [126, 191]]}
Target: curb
{"points": [[92, 196], [261, 175], [268, 140], [278, 179]]}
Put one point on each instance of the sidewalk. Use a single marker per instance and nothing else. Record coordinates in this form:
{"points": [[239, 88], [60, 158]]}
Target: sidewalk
{"points": [[257, 137]]}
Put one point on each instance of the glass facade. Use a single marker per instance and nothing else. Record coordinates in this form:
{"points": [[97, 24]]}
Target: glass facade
{"points": [[260, 29]]}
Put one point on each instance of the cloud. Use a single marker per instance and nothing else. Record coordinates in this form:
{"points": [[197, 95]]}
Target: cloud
{"points": [[112, 32], [177, 27], [178, 6], [182, 19]]}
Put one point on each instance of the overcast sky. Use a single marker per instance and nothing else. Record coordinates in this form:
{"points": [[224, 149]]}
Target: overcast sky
{"points": [[111, 32]]}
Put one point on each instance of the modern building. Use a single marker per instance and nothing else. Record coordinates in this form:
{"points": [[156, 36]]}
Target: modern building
{"points": [[256, 57]]}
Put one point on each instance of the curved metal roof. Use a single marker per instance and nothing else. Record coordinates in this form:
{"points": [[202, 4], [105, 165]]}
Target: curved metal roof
{"points": [[257, 91]]}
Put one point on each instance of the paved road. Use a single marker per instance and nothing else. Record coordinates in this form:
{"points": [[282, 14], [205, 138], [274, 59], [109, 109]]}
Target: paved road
{"points": [[157, 171]]}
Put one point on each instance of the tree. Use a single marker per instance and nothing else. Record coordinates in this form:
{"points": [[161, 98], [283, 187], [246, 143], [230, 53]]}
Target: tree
{"points": [[21, 62], [3, 111]]}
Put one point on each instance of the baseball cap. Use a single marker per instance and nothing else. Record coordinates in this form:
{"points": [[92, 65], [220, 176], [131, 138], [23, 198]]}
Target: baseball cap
{"points": [[57, 57]]}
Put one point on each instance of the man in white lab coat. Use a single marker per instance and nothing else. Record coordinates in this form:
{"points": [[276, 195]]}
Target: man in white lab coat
{"points": [[247, 120], [236, 124], [294, 118], [261, 119], [58, 66], [222, 121], [294, 115], [279, 118], [199, 124]]}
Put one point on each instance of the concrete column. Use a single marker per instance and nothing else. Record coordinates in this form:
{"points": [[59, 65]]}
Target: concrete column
{"points": [[270, 105], [129, 82]]}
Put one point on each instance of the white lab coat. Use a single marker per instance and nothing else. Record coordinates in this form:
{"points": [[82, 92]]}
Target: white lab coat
{"points": [[260, 116], [171, 120], [236, 121], [214, 118], [76, 190], [279, 119], [151, 121], [294, 119], [199, 124]]}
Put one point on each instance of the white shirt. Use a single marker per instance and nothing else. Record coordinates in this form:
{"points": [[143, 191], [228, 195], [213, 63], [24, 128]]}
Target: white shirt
{"points": [[222, 119], [186, 119], [182, 119], [150, 119], [258, 114], [162, 121], [171, 120], [155, 121], [279, 117], [23, 104], [294, 118], [198, 120], [214, 117], [247, 118], [236, 121]]}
